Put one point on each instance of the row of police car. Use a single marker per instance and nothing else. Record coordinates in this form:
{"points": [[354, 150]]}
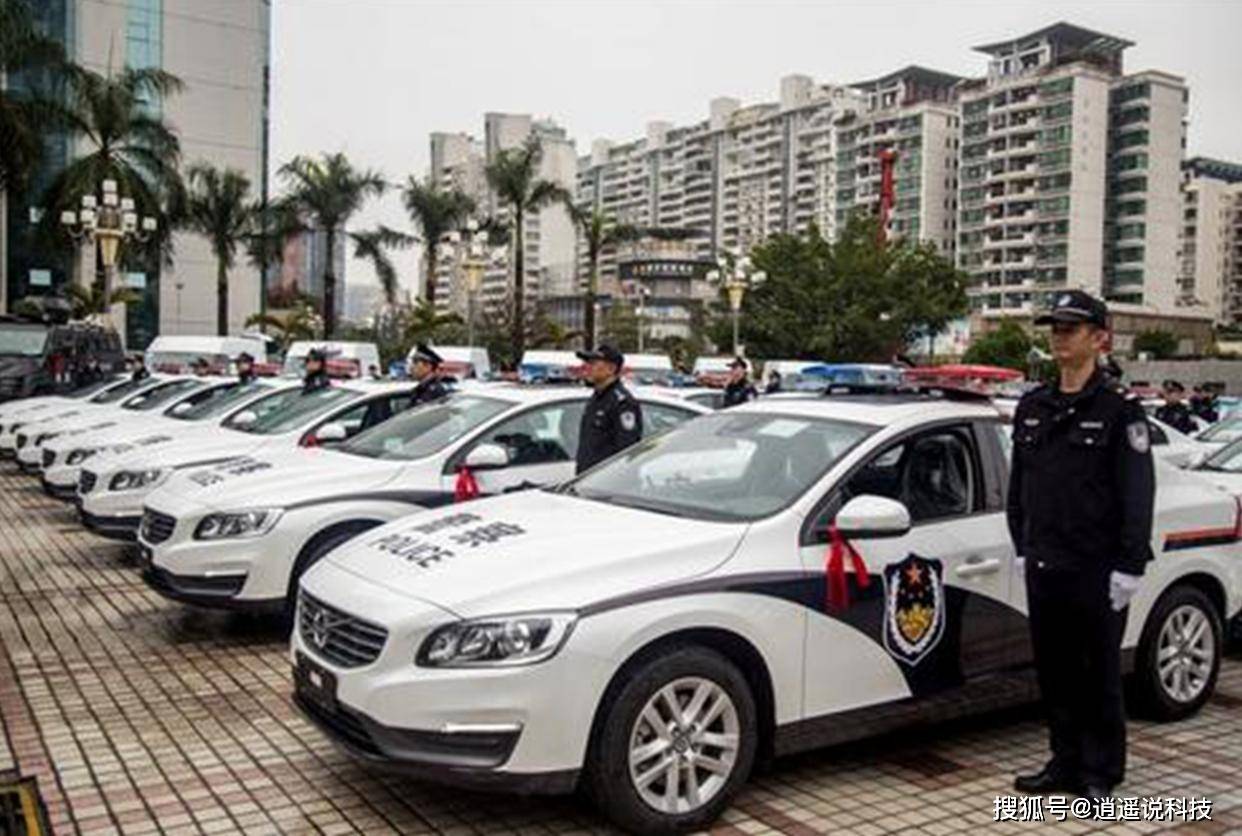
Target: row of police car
{"points": [[797, 571]]}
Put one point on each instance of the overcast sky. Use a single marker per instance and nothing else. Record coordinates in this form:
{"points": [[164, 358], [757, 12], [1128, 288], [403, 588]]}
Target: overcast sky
{"points": [[374, 77]]}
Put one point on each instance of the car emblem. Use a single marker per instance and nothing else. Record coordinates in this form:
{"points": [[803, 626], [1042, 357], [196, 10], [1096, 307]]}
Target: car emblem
{"points": [[318, 628], [914, 611]]}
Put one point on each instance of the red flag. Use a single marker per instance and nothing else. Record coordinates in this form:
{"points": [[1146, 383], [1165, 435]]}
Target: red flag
{"points": [[466, 488], [838, 597]]}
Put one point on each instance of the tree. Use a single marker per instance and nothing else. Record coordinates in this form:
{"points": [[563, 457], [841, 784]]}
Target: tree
{"points": [[372, 245], [325, 193], [302, 322], [855, 299], [1008, 345], [219, 208], [1159, 344], [620, 328], [435, 212], [514, 176], [89, 301], [35, 67]]}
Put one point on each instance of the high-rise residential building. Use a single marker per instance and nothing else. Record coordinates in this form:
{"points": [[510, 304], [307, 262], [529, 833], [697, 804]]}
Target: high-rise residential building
{"points": [[221, 53], [737, 177], [1069, 174], [913, 114], [460, 161], [1211, 232], [303, 263]]}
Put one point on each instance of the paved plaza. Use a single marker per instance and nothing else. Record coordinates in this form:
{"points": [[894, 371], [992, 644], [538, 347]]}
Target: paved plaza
{"points": [[139, 715]]}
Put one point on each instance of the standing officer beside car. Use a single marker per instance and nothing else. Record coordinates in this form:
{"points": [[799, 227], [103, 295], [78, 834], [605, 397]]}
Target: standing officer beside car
{"points": [[316, 376], [612, 420], [739, 388], [245, 368], [427, 372], [1176, 412], [1081, 494]]}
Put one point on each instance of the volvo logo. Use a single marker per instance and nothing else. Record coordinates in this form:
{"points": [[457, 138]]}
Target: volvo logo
{"points": [[318, 628]]}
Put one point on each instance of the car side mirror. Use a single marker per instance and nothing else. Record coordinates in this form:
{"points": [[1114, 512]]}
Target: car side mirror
{"points": [[182, 408], [330, 432], [1196, 459], [487, 457], [869, 516], [245, 418]]}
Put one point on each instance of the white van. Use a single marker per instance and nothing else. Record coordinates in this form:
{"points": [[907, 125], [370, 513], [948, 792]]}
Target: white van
{"points": [[647, 368], [174, 354], [364, 355], [461, 361]]}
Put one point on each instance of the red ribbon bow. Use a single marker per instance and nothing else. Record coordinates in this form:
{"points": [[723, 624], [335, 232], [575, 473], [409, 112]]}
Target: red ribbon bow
{"points": [[838, 597], [466, 487]]}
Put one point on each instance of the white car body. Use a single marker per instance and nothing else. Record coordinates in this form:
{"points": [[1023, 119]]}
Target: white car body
{"points": [[1222, 433], [23, 411], [632, 588], [325, 496], [115, 511], [1223, 468]]}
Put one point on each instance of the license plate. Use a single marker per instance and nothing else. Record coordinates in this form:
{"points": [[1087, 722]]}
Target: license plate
{"points": [[146, 557], [314, 683]]}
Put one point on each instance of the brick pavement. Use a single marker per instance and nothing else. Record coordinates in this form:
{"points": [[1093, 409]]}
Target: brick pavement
{"points": [[139, 715]]}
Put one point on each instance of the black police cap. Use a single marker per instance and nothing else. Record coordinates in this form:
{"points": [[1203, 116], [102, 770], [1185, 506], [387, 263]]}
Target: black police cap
{"points": [[738, 363], [245, 357], [603, 352], [1075, 306], [427, 354], [316, 354]]}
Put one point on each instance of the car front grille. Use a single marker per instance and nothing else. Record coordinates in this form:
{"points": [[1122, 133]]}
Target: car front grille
{"points": [[86, 481], [49, 456], [337, 636], [157, 527], [22, 439]]}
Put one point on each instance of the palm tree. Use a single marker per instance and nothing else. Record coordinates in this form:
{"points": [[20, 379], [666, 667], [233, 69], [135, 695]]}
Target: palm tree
{"points": [[436, 212], [93, 301], [599, 233], [514, 177], [327, 192], [373, 245], [302, 322], [219, 209]]}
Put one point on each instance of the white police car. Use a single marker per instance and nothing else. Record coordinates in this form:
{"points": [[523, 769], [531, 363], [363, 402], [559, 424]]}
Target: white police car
{"points": [[111, 489], [192, 412], [241, 534], [23, 427], [774, 577]]}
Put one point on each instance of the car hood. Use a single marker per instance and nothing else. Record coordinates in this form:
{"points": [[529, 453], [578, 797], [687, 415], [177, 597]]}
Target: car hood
{"points": [[281, 478], [190, 451], [18, 366], [534, 550]]}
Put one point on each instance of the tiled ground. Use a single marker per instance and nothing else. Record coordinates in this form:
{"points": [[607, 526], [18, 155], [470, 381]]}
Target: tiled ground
{"points": [[138, 715]]}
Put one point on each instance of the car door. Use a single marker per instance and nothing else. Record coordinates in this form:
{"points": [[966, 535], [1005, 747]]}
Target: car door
{"points": [[937, 598], [541, 444]]}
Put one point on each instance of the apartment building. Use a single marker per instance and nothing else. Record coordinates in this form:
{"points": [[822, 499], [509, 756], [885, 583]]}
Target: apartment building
{"points": [[1211, 235], [1069, 174], [912, 113]]}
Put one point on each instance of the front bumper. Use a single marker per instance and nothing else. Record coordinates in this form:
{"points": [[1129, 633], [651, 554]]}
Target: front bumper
{"points": [[215, 592], [65, 493], [28, 467], [124, 528]]}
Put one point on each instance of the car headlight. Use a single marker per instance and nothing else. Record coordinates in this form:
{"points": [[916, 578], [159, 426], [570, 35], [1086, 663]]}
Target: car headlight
{"points": [[496, 642], [237, 524], [129, 480], [78, 456]]}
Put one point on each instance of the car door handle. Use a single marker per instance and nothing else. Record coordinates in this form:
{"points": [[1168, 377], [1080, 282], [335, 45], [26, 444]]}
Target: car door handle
{"points": [[976, 566]]}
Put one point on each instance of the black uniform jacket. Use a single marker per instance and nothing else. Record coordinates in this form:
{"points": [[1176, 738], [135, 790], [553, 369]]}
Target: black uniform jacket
{"points": [[612, 421], [428, 390]]}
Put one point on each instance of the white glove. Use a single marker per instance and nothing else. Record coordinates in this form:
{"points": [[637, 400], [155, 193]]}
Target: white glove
{"points": [[1121, 588]]}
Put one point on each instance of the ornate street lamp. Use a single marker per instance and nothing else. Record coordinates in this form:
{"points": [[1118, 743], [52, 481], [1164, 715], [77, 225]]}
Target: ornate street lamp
{"points": [[473, 261], [736, 276]]}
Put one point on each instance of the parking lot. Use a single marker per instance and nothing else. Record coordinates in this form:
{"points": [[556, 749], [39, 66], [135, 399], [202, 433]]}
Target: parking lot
{"points": [[138, 715]]}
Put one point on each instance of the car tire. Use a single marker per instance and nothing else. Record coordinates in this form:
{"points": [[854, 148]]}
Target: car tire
{"points": [[314, 551], [724, 736], [1179, 655]]}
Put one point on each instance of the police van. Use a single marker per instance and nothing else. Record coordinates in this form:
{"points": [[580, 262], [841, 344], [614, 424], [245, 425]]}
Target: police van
{"points": [[111, 491], [298, 505], [775, 577]]}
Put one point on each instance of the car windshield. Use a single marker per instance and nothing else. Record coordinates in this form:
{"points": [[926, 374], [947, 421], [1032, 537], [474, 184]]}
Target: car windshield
{"points": [[92, 388], [114, 395], [177, 361], [426, 430], [1228, 459], [220, 401], [288, 410], [733, 467], [22, 341], [160, 395], [1223, 432]]}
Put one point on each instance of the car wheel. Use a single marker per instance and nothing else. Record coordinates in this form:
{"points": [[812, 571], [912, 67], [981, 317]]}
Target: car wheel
{"points": [[1179, 655], [675, 742], [313, 552]]}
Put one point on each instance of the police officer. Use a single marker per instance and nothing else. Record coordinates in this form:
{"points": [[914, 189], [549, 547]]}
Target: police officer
{"points": [[245, 368], [316, 376], [738, 389], [138, 365], [612, 420], [1203, 404], [427, 372], [1081, 492], [1176, 412]]}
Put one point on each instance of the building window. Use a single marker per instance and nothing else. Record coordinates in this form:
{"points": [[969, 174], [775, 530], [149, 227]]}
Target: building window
{"points": [[1131, 92], [1063, 110], [1055, 136], [1056, 88], [1130, 207], [1131, 138], [1130, 162], [1133, 184], [1131, 115]]}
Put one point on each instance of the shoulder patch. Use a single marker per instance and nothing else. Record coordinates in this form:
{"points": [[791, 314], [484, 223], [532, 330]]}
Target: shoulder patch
{"points": [[628, 420], [1138, 436]]}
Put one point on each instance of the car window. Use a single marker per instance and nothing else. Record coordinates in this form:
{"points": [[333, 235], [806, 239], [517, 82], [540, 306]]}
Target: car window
{"points": [[1228, 459], [930, 473], [221, 400], [290, 409], [539, 436], [355, 418], [426, 429], [116, 394], [711, 400], [1223, 432], [160, 395], [659, 417]]}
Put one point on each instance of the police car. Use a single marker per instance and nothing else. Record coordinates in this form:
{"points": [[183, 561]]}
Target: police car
{"points": [[45, 412], [111, 490], [1223, 468], [775, 577], [17, 413], [241, 533], [195, 411]]}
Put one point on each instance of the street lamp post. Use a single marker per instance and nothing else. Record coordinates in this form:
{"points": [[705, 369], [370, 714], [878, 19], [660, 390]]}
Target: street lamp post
{"points": [[107, 222], [642, 291], [473, 262], [736, 276]]}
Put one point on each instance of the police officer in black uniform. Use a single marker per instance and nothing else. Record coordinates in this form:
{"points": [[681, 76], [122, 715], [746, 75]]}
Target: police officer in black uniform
{"points": [[738, 389], [427, 372], [139, 368], [316, 376], [1176, 412], [1081, 492], [245, 368], [612, 420]]}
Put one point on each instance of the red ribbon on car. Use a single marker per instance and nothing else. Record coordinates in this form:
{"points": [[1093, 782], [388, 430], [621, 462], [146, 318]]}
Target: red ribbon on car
{"points": [[466, 488], [838, 597]]}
